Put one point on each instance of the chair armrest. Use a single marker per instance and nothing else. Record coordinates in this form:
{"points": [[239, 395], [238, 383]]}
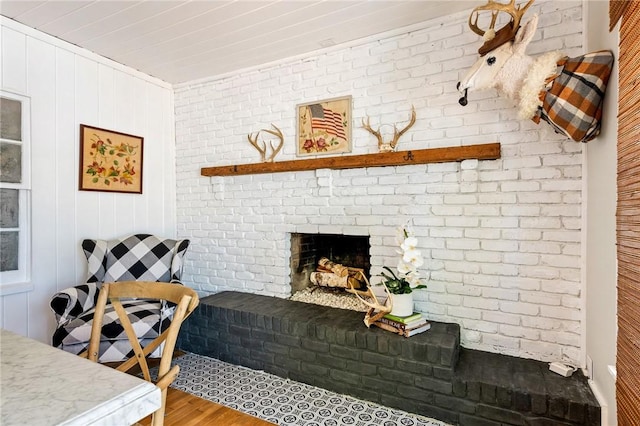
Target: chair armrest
{"points": [[74, 301]]}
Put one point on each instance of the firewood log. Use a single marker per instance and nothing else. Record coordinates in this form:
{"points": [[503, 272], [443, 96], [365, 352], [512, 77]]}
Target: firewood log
{"points": [[336, 268], [328, 279], [356, 273], [355, 283]]}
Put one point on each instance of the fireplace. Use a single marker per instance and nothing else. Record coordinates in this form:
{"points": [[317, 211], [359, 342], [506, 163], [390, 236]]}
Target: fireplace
{"points": [[308, 249]]}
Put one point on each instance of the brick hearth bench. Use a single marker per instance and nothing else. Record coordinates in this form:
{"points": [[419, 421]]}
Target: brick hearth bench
{"points": [[428, 374]]}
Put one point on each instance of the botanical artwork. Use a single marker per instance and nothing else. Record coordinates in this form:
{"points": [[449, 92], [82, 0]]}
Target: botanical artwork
{"points": [[324, 127], [110, 161]]}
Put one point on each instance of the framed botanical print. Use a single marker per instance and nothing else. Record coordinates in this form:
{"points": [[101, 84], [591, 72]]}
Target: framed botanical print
{"points": [[110, 160], [324, 127]]}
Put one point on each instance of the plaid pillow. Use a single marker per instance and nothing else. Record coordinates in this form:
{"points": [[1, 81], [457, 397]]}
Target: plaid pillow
{"points": [[573, 104]]}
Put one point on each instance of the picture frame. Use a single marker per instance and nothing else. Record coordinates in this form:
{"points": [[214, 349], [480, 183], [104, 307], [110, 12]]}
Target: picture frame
{"points": [[323, 127], [110, 161]]}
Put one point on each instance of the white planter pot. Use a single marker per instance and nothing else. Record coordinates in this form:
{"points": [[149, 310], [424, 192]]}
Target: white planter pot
{"points": [[402, 304]]}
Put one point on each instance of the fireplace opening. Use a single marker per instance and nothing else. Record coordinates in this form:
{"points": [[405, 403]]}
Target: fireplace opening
{"points": [[310, 251]]}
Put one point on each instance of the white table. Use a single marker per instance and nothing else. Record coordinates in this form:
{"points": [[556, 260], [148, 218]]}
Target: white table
{"points": [[43, 385]]}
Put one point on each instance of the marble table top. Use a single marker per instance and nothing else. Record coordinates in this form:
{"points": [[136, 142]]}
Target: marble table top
{"points": [[43, 385]]}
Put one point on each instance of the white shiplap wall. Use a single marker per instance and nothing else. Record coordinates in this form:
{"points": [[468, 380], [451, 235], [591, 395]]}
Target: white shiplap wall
{"points": [[69, 86]]}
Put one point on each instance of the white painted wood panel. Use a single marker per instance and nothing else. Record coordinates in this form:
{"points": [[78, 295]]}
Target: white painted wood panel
{"points": [[139, 124], [164, 119], [50, 11], [206, 39], [15, 314], [87, 105], [240, 29], [157, 133], [82, 17], [18, 7], [127, 13], [126, 39], [13, 60], [44, 157], [66, 182], [69, 86]]}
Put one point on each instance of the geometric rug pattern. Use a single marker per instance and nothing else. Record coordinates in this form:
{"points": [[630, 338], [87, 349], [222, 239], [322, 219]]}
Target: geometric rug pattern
{"points": [[282, 401]]}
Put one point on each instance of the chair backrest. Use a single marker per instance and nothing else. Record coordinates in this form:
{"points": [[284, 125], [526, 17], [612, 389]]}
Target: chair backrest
{"points": [[140, 257], [185, 299]]}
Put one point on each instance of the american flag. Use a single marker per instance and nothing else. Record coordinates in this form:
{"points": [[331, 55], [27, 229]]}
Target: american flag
{"points": [[327, 120]]}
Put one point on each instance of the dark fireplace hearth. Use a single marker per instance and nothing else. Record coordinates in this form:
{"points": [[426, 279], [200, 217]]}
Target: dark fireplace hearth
{"points": [[427, 374]]}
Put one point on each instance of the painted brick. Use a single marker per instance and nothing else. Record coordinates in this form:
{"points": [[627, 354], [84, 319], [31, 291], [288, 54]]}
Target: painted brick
{"points": [[506, 226]]}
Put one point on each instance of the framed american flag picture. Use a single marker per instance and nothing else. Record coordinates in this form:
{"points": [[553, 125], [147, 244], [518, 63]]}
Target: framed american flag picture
{"points": [[324, 127]]}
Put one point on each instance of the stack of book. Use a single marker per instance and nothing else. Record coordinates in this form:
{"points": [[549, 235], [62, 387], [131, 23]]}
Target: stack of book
{"points": [[404, 326]]}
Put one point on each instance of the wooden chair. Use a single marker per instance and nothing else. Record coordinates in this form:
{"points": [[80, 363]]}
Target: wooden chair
{"points": [[185, 300]]}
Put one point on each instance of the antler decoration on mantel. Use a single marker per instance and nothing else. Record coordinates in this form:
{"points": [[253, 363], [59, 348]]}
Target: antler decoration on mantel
{"points": [[390, 146], [253, 140]]}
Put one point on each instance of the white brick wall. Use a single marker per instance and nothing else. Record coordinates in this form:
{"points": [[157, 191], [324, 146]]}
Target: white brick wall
{"points": [[502, 238]]}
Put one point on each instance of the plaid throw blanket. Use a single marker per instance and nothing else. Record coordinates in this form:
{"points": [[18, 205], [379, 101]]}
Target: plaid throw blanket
{"points": [[572, 101]]}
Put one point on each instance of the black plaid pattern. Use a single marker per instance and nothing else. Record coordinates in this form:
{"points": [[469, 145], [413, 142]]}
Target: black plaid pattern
{"points": [[95, 252], [140, 257], [73, 301]]}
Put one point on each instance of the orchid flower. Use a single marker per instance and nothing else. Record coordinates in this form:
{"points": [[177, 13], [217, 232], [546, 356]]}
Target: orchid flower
{"points": [[408, 277]]}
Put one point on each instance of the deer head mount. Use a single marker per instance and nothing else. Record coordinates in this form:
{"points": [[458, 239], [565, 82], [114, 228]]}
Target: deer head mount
{"points": [[565, 92], [389, 146], [253, 140]]}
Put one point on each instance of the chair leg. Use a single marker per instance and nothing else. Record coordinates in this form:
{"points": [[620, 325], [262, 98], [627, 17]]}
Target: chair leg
{"points": [[158, 416]]}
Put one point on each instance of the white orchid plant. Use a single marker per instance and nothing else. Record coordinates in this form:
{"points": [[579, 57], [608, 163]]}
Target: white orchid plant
{"points": [[407, 278]]}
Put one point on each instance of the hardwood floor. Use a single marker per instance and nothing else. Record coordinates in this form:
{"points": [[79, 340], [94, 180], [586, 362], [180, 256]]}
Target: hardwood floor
{"points": [[185, 409]]}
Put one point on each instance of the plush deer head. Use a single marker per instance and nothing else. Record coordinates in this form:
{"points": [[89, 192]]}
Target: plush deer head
{"points": [[502, 63], [565, 92]]}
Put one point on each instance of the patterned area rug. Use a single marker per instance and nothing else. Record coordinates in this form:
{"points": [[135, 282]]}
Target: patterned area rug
{"points": [[283, 401]]}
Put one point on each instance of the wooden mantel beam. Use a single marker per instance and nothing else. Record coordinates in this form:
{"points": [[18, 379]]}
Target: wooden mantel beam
{"points": [[489, 151]]}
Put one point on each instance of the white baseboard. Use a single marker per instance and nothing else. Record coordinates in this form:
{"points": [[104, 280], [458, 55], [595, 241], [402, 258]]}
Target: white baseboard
{"points": [[604, 407]]}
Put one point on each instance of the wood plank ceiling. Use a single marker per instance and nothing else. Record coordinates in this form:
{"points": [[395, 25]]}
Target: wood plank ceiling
{"points": [[179, 41]]}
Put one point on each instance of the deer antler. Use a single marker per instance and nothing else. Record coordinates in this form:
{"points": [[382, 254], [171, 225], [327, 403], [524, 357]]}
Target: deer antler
{"points": [[495, 7], [254, 142], [274, 151], [376, 309], [504, 34], [376, 133], [263, 150], [397, 134], [391, 146]]}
